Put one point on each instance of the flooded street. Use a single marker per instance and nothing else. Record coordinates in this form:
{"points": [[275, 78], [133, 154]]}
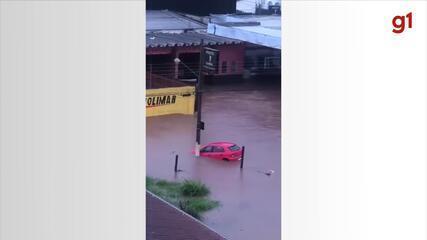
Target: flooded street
{"points": [[248, 115]]}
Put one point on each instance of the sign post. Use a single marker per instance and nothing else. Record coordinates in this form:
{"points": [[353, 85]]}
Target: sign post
{"points": [[210, 59]]}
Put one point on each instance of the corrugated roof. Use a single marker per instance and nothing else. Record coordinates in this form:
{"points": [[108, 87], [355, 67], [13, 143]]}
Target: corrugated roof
{"points": [[186, 39]]}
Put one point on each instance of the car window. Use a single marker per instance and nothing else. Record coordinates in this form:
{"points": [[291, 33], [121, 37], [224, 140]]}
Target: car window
{"points": [[218, 149], [207, 149], [234, 148]]}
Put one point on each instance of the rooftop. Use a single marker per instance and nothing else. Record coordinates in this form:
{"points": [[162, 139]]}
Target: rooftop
{"points": [[186, 39], [164, 20], [263, 30], [166, 222]]}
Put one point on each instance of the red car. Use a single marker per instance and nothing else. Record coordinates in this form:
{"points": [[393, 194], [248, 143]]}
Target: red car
{"points": [[221, 150]]}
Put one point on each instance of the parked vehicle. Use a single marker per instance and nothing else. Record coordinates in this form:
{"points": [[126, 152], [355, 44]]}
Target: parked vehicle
{"points": [[221, 150]]}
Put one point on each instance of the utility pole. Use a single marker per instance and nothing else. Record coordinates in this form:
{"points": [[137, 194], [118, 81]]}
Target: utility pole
{"points": [[200, 124], [151, 75]]}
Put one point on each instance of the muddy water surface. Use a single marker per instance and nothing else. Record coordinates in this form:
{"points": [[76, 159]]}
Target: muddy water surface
{"points": [[250, 200]]}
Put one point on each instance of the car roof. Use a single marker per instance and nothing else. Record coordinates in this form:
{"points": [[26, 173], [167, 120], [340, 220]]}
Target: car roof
{"points": [[222, 143]]}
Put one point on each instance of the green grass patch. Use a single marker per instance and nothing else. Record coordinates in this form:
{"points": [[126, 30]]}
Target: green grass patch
{"points": [[194, 189], [195, 207], [190, 196]]}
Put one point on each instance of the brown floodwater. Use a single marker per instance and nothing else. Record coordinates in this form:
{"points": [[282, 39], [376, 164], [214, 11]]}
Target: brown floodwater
{"points": [[250, 199]]}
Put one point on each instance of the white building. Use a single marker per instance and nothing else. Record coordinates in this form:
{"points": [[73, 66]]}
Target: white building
{"points": [[262, 33], [263, 30], [251, 6]]}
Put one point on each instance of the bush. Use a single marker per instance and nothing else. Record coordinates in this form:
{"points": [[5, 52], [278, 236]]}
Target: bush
{"points": [[189, 196], [195, 207], [193, 189], [149, 182]]}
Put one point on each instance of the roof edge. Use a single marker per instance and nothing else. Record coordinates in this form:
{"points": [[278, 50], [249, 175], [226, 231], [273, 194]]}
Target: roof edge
{"points": [[184, 213]]}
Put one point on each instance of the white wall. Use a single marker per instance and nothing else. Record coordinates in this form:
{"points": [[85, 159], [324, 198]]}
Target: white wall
{"points": [[71, 120], [355, 121]]}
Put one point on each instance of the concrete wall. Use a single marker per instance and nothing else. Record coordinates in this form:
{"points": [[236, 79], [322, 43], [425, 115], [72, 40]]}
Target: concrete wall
{"points": [[229, 55]]}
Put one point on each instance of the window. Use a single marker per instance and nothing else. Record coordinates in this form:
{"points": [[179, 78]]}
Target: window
{"points": [[218, 149], [271, 62], [224, 67], [233, 66], [207, 149], [234, 148]]}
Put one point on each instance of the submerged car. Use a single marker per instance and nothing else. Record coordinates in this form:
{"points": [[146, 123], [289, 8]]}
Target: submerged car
{"points": [[221, 150]]}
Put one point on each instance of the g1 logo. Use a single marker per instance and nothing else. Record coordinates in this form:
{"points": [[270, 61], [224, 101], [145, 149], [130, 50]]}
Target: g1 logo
{"points": [[399, 23]]}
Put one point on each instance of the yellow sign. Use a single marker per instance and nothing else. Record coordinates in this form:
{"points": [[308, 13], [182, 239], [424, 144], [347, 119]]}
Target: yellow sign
{"points": [[164, 101]]}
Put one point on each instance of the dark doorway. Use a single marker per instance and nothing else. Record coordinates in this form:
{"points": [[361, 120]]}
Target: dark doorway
{"points": [[162, 64], [192, 61]]}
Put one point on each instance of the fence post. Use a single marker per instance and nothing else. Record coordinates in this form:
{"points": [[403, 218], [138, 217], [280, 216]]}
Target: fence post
{"points": [[243, 157], [176, 163]]}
